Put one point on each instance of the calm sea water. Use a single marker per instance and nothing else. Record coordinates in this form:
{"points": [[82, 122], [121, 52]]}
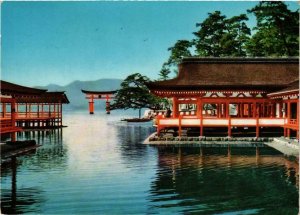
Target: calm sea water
{"points": [[98, 165]]}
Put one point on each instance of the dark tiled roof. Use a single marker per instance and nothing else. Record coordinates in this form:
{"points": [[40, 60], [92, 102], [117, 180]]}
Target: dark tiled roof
{"points": [[7, 88], [47, 97], [292, 88], [232, 73], [31, 95]]}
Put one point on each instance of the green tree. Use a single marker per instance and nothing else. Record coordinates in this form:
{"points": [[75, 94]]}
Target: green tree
{"points": [[164, 72], [277, 30], [135, 94], [219, 36], [208, 38], [237, 34], [180, 50]]}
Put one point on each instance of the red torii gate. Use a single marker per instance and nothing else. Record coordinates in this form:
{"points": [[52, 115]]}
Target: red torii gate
{"points": [[106, 95]]}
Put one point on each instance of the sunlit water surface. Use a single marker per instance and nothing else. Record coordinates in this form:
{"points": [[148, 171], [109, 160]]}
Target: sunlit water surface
{"points": [[98, 165]]}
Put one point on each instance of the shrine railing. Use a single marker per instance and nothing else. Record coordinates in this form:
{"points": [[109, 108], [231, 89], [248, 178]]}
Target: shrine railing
{"points": [[239, 122], [33, 115]]}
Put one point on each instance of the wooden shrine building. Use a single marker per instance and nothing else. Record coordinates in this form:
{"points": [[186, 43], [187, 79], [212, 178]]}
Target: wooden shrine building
{"points": [[104, 95], [232, 97], [25, 107]]}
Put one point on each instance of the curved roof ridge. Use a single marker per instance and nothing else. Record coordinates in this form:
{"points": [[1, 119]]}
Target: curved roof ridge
{"points": [[11, 88]]}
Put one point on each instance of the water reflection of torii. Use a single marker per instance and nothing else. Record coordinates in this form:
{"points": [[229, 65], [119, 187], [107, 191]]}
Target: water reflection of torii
{"points": [[106, 95]]}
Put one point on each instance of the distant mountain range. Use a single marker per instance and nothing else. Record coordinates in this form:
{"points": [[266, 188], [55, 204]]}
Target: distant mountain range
{"points": [[77, 98]]}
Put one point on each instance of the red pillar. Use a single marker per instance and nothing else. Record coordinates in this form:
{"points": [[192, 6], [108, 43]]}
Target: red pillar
{"points": [[289, 111], [60, 113], [242, 110], [29, 110], [227, 110], [229, 126], [199, 115], [254, 110], [175, 107], [49, 109], [26, 110], [3, 109], [38, 110], [257, 127], [179, 127], [272, 109], [91, 107], [91, 104], [42, 110], [280, 108], [297, 114], [13, 119]]}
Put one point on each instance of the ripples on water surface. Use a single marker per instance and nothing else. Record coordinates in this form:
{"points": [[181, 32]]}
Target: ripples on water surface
{"points": [[98, 165]]}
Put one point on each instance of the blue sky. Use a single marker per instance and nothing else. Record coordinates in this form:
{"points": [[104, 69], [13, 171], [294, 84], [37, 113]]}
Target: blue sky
{"points": [[59, 42]]}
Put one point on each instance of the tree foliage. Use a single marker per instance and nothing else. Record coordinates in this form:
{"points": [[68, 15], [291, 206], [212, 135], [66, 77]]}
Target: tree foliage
{"points": [[276, 34], [164, 72], [180, 50], [277, 30], [135, 94], [208, 38], [236, 36], [219, 36]]}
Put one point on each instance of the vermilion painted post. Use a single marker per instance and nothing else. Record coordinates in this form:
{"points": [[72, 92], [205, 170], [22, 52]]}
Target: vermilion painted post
{"points": [[257, 127], [91, 107], [289, 112], [229, 126], [38, 110], [91, 104], [29, 110], [13, 119], [42, 109], [256, 115], [60, 113], [179, 126], [201, 117], [175, 107], [26, 110], [297, 114], [3, 109]]}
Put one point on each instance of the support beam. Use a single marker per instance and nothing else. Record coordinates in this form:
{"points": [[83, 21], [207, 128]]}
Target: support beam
{"points": [[288, 111], [13, 119], [179, 126], [229, 126], [4, 110], [175, 107], [297, 114], [60, 113], [257, 128], [38, 110], [91, 107]]}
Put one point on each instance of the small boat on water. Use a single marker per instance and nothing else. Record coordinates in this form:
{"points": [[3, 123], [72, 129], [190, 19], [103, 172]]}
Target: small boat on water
{"points": [[148, 116], [137, 120]]}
